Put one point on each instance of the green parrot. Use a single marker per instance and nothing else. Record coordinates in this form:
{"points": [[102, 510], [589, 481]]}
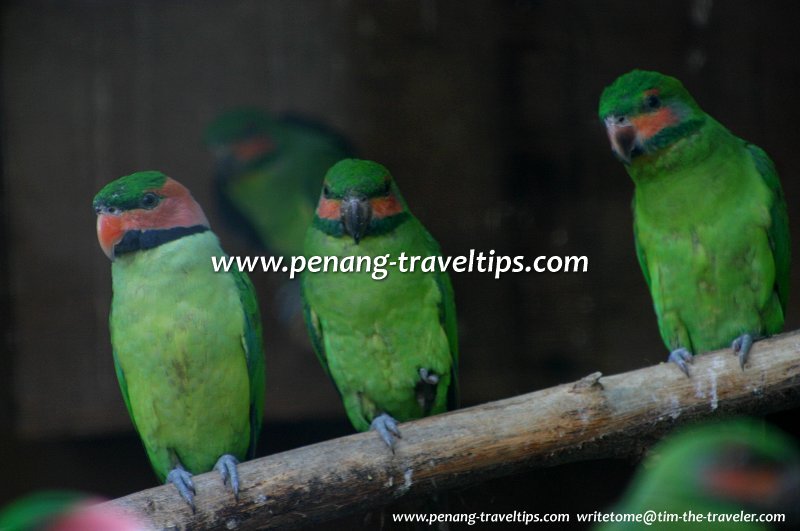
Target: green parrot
{"points": [[186, 340], [66, 511], [390, 346], [718, 468], [267, 173], [57, 510], [710, 222]]}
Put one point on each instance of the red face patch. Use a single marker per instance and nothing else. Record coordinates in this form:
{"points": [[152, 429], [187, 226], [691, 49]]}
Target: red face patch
{"points": [[650, 124], [382, 207], [252, 148], [329, 208], [744, 485]]}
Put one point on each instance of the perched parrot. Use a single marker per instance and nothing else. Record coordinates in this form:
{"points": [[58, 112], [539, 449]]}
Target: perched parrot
{"points": [[65, 511], [390, 346], [267, 173], [186, 340], [718, 468], [710, 222]]}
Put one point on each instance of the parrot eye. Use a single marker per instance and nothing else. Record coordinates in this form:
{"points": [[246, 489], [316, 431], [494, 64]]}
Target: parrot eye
{"points": [[652, 102], [112, 210], [326, 191], [149, 200], [387, 188]]}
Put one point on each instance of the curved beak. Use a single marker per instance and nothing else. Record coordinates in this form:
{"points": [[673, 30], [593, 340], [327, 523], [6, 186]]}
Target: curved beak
{"points": [[109, 232], [623, 137], [356, 214]]}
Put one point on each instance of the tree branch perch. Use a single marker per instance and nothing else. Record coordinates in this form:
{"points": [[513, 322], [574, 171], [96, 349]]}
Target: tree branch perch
{"points": [[595, 417]]}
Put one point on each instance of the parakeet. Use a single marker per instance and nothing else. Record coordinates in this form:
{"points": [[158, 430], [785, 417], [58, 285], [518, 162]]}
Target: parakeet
{"points": [[186, 340], [390, 346], [267, 173], [717, 468], [65, 511], [710, 222]]}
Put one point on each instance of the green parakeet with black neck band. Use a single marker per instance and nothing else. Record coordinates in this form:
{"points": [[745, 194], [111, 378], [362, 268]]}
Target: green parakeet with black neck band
{"points": [[187, 340], [710, 222], [390, 346]]}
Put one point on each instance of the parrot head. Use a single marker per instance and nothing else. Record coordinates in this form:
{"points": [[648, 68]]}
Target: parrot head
{"points": [[751, 474], [359, 199], [739, 463], [135, 210], [240, 139], [647, 112]]}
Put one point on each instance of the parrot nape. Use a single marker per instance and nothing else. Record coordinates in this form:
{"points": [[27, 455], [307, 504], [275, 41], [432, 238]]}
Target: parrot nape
{"points": [[390, 346], [719, 468], [267, 173], [186, 340], [66, 511], [710, 222]]}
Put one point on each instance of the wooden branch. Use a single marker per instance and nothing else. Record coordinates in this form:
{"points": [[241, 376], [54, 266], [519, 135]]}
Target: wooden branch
{"points": [[595, 417]]}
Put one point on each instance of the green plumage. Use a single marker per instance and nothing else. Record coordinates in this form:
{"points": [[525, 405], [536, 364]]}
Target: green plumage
{"points": [[374, 336], [727, 467], [38, 511], [710, 222], [187, 348], [270, 193]]}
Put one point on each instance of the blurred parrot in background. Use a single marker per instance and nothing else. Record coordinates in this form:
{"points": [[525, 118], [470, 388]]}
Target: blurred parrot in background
{"points": [[186, 340], [390, 346], [268, 172], [710, 222], [65, 511], [719, 468]]}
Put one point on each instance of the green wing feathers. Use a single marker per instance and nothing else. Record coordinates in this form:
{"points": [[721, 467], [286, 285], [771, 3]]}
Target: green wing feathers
{"points": [[315, 334], [447, 316], [640, 256], [123, 386], [252, 340], [779, 228]]}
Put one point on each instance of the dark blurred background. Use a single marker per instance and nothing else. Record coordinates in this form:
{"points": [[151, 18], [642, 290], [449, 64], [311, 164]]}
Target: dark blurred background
{"points": [[484, 111]]}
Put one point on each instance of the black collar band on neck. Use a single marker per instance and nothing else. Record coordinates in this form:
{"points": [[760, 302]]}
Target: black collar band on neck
{"points": [[141, 240]]}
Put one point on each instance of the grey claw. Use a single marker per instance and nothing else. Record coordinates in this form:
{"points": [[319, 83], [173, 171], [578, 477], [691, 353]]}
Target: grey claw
{"points": [[226, 465], [182, 480], [742, 345], [387, 428], [428, 377], [681, 357]]}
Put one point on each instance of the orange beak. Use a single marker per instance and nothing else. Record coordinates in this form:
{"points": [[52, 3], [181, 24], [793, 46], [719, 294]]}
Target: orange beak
{"points": [[110, 231]]}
